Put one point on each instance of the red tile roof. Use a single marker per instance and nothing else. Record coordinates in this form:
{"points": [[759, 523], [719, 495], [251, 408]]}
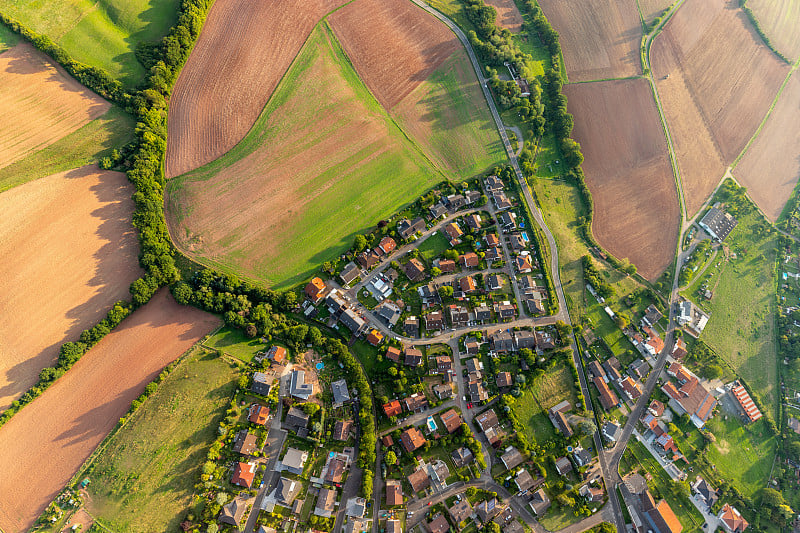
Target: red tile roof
{"points": [[244, 474], [392, 408], [744, 399], [412, 439], [733, 519], [258, 414]]}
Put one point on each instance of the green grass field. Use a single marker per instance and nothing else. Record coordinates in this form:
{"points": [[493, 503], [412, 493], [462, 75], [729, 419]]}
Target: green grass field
{"points": [[451, 121], [434, 246], [143, 481], [343, 192], [545, 392], [235, 343], [742, 454], [88, 144], [741, 328], [101, 34], [7, 38]]}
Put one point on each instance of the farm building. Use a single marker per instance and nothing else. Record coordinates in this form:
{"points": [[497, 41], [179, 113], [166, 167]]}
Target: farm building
{"points": [[718, 223], [745, 402]]}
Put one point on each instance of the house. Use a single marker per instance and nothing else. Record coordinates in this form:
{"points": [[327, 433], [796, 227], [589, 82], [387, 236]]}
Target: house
{"points": [[608, 399], [558, 418], [326, 502], [411, 326], [679, 350], [483, 313], [512, 458], [245, 442], [493, 184], [474, 222], [438, 471], [513, 527], [539, 502], [380, 288], [563, 466], [434, 321], [447, 266], [414, 269], [476, 392], [429, 295], [595, 369], [592, 494], [356, 507], [461, 457], [408, 229], [437, 210], [261, 383], [631, 388], [315, 290], [455, 202], [416, 403], [412, 357], [656, 408], [535, 305], [368, 259], [244, 474], [474, 366], [494, 282], [503, 379], [443, 391], [392, 408], [294, 461], [296, 419], [582, 457], [459, 315], [469, 260], [705, 492], [612, 369], [501, 202], [487, 420], [472, 196], [659, 517], [393, 354], [353, 321], [640, 368], [234, 512], [652, 315], [524, 339], [493, 435], [298, 386], [394, 492], [387, 441], [717, 223], [388, 312], [357, 525], [471, 346], [611, 431], [454, 233], [341, 430], [411, 439], [732, 520], [524, 480], [523, 263], [494, 253], [258, 414], [393, 526], [693, 399], [492, 240], [505, 310], [438, 524], [460, 511], [350, 273], [375, 337], [679, 372], [442, 364], [387, 245], [277, 354], [746, 404], [544, 340], [467, 284], [487, 509], [419, 480], [287, 490], [341, 394]]}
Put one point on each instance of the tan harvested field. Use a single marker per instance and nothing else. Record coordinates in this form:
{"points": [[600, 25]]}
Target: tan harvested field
{"points": [[771, 166], [67, 253], [716, 80], [779, 20], [46, 442], [628, 171], [508, 15], [396, 50], [653, 8], [600, 38], [40, 103], [244, 50]]}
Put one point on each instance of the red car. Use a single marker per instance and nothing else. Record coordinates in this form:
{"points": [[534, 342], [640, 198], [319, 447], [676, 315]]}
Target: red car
{"points": [[469, 405]]}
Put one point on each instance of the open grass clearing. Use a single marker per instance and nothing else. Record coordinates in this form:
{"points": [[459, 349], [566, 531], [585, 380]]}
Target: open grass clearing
{"points": [[543, 393], [144, 479], [434, 246], [100, 34], [8, 38], [233, 342], [323, 162]]}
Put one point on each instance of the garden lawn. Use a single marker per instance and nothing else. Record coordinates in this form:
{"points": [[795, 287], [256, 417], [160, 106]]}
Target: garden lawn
{"points": [[742, 454], [100, 34], [434, 246], [88, 144], [546, 391], [235, 343], [144, 479], [741, 327]]}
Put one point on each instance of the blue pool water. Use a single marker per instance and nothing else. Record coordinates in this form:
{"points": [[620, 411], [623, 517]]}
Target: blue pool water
{"points": [[525, 236], [431, 424], [320, 366]]}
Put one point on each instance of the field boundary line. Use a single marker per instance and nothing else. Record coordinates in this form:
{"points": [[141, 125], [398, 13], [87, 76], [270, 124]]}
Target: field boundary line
{"points": [[635, 77]]}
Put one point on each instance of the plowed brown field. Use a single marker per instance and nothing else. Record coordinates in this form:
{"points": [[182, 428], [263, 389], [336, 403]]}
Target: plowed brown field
{"points": [[653, 8], [716, 80], [599, 38], [628, 171], [508, 15], [771, 166], [46, 442], [779, 19], [67, 253], [393, 45], [244, 50], [39, 103]]}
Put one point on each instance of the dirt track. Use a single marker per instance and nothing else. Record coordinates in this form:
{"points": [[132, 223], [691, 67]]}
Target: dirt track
{"points": [[508, 15], [600, 39], [39, 103], [716, 81], [67, 253], [771, 166], [46, 442], [244, 50], [397, 50], [628, 171]]}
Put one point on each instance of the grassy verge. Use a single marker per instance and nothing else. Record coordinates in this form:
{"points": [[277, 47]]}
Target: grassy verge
{"points": [[144, 479], [7, 38], [86, 145]]}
